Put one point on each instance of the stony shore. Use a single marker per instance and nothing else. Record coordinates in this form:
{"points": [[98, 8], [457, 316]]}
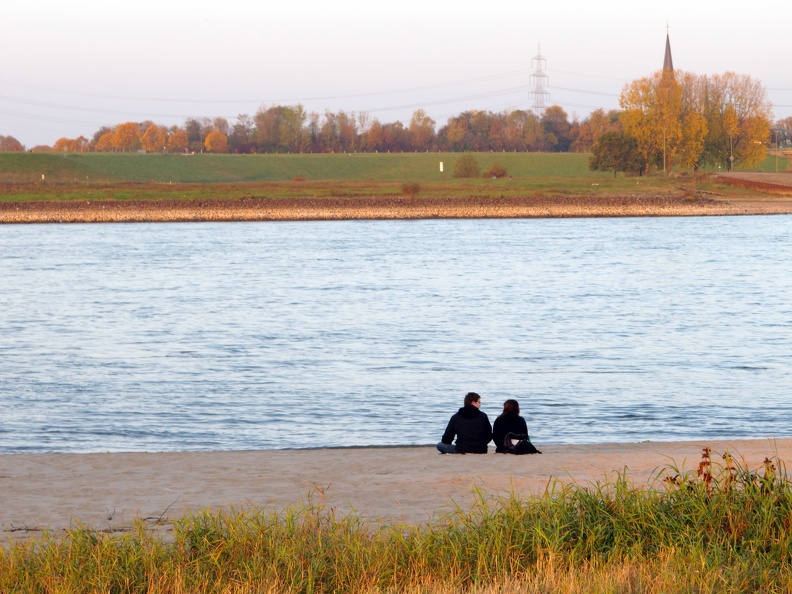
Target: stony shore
{"points": [[297, 209]]}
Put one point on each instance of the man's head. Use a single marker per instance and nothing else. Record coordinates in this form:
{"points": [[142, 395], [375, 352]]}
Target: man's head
{"points": [[472, 399]]}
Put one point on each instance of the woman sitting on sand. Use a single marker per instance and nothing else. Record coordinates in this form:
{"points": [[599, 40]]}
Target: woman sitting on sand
{"points": [[509, 421]]}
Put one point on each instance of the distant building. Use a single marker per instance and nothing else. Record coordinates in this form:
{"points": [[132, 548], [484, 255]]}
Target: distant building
{"points": [[668, 63]]}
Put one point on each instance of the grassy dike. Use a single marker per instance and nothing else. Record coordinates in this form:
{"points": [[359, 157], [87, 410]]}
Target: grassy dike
{"points": [[218, 169], [723, 528]]}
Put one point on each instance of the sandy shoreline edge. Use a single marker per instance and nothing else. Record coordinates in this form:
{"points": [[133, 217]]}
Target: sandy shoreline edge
{"points": [[379, 208], [108, 491]]}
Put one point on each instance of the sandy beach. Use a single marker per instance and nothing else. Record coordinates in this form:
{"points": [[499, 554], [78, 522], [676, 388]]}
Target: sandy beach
{"points": [[108, 491]]}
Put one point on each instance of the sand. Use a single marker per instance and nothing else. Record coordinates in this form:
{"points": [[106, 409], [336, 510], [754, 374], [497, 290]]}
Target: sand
{"points": [[412, 485]]}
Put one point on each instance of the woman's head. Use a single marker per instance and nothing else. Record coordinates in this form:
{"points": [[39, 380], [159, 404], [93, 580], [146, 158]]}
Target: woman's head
{"points": [[511, 407]]}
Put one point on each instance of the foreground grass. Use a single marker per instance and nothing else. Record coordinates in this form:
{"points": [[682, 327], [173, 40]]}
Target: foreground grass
{"points": [[724, 528]]}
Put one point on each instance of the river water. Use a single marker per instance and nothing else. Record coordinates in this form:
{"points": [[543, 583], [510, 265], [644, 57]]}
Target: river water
{"points": [[235, 336]]}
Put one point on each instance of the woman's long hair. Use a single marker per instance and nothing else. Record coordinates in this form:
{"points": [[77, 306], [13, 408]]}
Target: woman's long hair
{"points": [[510, 407]]}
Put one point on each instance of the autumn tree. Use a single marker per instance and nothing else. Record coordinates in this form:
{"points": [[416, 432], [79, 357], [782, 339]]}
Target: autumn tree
{"points": [[71, 145], [652, 114], [267, 127], [178, 141], [192, 127], [338, 132], [694, 125], [556, 127], [783, 133], [216, 142], [593, 127], [61, 145], [197, 129], [739, 117], [374, 137], [241, 138], [422, 130], [497, 134], [154, 139], [127, 137], [455, 132], [282, 128], [10, 144], [222, 125], [291, 129], [616, 151], [514, 124], [522, 129], [105, 142], [396, 137], [364, 121], [346, 124]]}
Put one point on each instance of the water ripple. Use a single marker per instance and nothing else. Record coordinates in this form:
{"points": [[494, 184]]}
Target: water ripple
{"points": [[239, 336]]}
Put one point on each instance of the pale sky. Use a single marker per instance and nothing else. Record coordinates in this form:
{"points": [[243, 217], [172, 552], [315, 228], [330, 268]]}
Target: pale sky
{"points": [[68, 68]]}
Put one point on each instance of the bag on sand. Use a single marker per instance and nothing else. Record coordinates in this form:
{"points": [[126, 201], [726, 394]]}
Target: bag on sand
{"points": [[519, 443]]}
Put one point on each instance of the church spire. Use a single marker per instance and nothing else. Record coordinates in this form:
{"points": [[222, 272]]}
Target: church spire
{"points": [[668, 63]]}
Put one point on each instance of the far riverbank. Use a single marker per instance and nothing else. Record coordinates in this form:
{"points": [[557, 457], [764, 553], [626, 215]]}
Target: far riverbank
{"points": [[379, 207]]}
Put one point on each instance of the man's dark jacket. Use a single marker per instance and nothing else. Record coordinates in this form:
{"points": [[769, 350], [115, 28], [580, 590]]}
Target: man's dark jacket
{"points": [[472, 430]]}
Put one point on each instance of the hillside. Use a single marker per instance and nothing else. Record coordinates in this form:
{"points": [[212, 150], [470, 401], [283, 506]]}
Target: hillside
{"points": [[208, 168]]}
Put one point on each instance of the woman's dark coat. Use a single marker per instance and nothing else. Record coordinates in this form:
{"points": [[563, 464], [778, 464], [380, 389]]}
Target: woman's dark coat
{"points": [[507, 424]]}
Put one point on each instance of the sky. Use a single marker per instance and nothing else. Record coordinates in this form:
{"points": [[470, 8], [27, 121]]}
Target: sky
{"points": [[69, 68]]}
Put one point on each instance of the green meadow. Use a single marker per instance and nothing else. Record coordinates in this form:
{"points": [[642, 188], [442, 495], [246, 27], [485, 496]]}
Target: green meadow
{"points": [[214, 169], [114, 176], [342, 167]]}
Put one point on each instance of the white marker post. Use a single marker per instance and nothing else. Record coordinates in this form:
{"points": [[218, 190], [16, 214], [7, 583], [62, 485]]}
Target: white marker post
{"points": [[441, 167]]}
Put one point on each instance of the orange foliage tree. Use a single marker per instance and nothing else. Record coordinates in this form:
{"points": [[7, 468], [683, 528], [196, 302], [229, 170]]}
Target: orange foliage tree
{"points": [[154, 139], [216, 142], [105, 142], [178, 140], [71, 145], [127, 137]]}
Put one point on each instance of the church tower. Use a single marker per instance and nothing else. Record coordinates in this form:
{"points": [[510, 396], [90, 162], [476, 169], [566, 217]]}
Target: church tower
{"points": [[668, 63]]}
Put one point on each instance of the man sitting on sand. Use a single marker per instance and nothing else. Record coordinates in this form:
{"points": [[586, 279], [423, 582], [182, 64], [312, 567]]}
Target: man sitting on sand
{"points": [[470, 426]]}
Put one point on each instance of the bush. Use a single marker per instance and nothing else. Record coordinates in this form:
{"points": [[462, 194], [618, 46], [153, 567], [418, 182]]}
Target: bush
{"points": [[496, 170], [411, 189], [616, 151], [467, 166]]}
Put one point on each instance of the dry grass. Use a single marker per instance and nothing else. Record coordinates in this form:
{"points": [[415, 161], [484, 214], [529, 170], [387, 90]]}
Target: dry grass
{"points": [[722, 528]]}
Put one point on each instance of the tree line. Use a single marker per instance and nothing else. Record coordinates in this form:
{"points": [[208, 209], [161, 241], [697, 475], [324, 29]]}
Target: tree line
{"points": [[667, 120], [291, 129]]}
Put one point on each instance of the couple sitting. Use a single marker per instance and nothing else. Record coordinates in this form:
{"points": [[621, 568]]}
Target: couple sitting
{"points": [[473, 431]]}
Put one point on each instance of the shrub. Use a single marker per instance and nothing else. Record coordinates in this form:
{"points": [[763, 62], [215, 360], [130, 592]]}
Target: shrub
{"points": [[467, 166], [411, 189], [496, 170]]}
